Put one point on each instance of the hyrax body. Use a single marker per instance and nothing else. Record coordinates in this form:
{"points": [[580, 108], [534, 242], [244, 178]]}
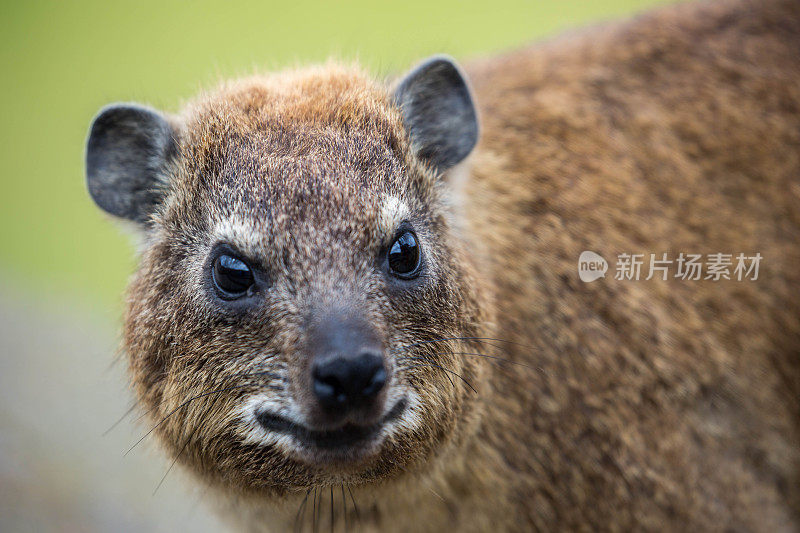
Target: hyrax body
{"points": [[340, 320]]}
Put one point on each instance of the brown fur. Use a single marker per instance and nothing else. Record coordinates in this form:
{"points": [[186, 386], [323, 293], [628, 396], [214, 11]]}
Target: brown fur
{"points": [[643, 405]]}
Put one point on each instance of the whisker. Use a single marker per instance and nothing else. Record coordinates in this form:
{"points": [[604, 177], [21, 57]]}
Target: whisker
{"points": [[355, 507], [437, 494], [314, 513], [420, 358], [344, 509], [486, 340], [184, 404], [300, 512], [115, 424], [495, 357], [441, 368], [175, 460], [185, 444], [163, 401], [318, 517], [267, 373]]}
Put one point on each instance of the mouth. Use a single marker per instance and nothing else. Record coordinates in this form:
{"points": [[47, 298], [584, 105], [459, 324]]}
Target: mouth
{"points": [[347, 437]]}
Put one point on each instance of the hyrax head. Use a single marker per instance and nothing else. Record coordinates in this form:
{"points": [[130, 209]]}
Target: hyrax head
{"points": [[303, 306]]}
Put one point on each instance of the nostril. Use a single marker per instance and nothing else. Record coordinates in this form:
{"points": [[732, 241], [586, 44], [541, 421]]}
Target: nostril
{"points": [[369, 374], [344, 382], [376, 383], [328, 391]]}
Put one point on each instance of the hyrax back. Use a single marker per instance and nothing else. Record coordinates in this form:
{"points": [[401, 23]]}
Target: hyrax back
{"points": [[342, 321]]}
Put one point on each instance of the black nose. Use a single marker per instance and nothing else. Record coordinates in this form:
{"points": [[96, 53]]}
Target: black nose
{"points": [[344, 383]]}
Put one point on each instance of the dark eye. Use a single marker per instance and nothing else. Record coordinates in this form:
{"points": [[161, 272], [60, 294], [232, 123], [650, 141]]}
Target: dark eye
{"points": [[404, 255], [232, 276]]}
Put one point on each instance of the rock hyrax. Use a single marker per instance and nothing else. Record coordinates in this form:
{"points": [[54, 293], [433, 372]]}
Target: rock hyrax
{"points": [[358, 303]]}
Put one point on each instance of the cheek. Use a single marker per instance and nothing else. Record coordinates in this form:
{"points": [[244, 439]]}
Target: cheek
{"points": [[148, 345], [440, 368], [450, 400], [436, 407]]}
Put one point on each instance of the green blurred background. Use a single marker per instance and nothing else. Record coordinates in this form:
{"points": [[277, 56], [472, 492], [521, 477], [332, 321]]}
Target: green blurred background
{"points": [[63, 264]]}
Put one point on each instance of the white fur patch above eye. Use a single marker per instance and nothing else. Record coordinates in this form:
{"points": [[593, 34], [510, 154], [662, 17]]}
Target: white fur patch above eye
{"points": [[393, 212], [239, 233]]}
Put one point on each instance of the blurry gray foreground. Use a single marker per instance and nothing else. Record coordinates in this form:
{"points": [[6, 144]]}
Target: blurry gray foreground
{"points": [[59, 391]]}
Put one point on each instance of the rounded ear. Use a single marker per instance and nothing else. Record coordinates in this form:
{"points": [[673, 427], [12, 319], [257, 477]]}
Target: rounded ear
{"points": [[127, 154], [438, 112]]}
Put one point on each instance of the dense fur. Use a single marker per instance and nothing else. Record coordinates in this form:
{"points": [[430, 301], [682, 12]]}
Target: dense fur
{"points": [[631, 405]]}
